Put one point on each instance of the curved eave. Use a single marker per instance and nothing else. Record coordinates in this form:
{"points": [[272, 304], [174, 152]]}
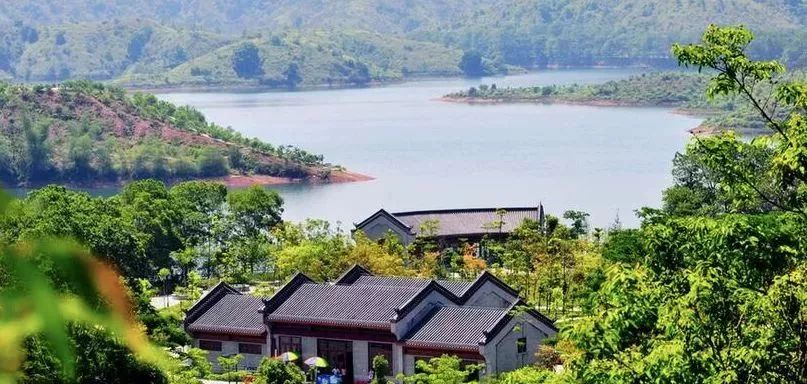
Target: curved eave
{"points": [[227, 330], [441, 346], [375, 325]]}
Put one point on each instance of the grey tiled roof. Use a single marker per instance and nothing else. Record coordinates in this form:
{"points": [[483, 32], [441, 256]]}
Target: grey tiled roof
{"points": [[456, 222], [460, 326], [234, 314], [368, 305], [456, 287]]}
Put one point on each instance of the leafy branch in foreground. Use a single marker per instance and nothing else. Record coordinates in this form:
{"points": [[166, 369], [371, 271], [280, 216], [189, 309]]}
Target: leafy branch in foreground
{"points": [[723, 49], [48, 284]]}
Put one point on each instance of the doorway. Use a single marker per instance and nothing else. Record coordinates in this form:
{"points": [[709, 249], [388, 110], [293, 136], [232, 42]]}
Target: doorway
{"points": [[339, 355]]}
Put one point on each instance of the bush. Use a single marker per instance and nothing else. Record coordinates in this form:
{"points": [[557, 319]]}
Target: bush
{"points": [[526, 375], [212, 163], [380, 370], [547, 357], [273, 371]]}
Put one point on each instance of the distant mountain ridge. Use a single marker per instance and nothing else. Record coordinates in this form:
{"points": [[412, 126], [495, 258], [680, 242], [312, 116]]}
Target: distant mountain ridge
{"points": [[48, 40]]}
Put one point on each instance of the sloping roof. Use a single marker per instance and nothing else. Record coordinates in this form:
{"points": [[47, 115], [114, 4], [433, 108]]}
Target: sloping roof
{"points": [[455, 326], [390, 216], [360, 299], [232, 314], [458, 222], [207, 300], [350, 305], [456, 287]]}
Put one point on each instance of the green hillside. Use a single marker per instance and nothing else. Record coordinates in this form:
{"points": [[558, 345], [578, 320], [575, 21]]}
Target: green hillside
{"points": [[102, 51], [518, 32], [581, 32], [87, 133], [317, 58]]}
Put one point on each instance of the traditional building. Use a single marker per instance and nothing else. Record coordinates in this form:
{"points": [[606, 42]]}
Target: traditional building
{"points": [[450, 226], [359, 316]]}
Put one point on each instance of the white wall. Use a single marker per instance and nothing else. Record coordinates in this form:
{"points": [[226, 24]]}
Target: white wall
{"points": [[490, 295], [229, 348], [360, 356], [377, 229], [409, 365], [501, 353]]}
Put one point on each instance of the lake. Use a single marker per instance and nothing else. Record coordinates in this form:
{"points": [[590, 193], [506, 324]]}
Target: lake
{"points": [[429, 154]]}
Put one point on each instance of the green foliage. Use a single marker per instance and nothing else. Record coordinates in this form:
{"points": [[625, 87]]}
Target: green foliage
{"points": [[381, 370], [471, 64], [255, 210], [274, 371], [526, 375], [721, 284], [49, 283], [247, 62], [99, 358], [440, 370], [71, 134], [524, 33]]}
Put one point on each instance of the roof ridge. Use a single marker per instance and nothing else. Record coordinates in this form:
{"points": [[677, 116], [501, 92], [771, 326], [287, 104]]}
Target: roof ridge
{"points": [[352, 274], [464, 210], [201, 304]]}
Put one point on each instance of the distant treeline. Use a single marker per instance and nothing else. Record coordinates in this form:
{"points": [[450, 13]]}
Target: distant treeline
{"points": [[681, 90]]}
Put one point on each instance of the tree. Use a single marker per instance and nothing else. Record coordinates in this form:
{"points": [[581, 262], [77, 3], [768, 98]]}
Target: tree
{"points": [[229, 365], [579, 222], [137, 44], [163, 274], [292, 75], [274, 371], [247, 62], [212, 163], [380, 370], [720, 294], [48, 285], [255, 210], [472, 65]]}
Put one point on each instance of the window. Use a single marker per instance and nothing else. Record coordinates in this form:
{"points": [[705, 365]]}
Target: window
{"points": [[376, 349], [289, 344], [521, 345], [210, 345], [253, 349]]}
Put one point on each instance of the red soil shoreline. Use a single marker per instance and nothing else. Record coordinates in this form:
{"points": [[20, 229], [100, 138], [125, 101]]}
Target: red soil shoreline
{"points": [[701, 129], [241, 181]]}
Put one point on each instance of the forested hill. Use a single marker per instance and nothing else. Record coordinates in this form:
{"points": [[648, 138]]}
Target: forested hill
{"points": [[147, 53], [86, 133], [157, 42]]}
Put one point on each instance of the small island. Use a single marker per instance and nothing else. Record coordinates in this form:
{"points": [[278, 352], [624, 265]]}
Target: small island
{"points": [[88, 134], [682, 91]]}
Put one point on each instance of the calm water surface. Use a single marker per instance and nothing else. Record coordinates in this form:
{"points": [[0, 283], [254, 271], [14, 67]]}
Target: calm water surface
{"points": [[428, 154]]}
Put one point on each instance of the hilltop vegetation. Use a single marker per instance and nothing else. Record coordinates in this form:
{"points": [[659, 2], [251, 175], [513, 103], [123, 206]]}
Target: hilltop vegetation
{"points": [[684, 91], [317, 58], [144, 53], [184, 42], [85, 132]]}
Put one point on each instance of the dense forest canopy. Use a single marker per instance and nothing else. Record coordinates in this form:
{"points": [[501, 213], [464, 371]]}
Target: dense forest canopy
{"points": [[355, 42]]}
